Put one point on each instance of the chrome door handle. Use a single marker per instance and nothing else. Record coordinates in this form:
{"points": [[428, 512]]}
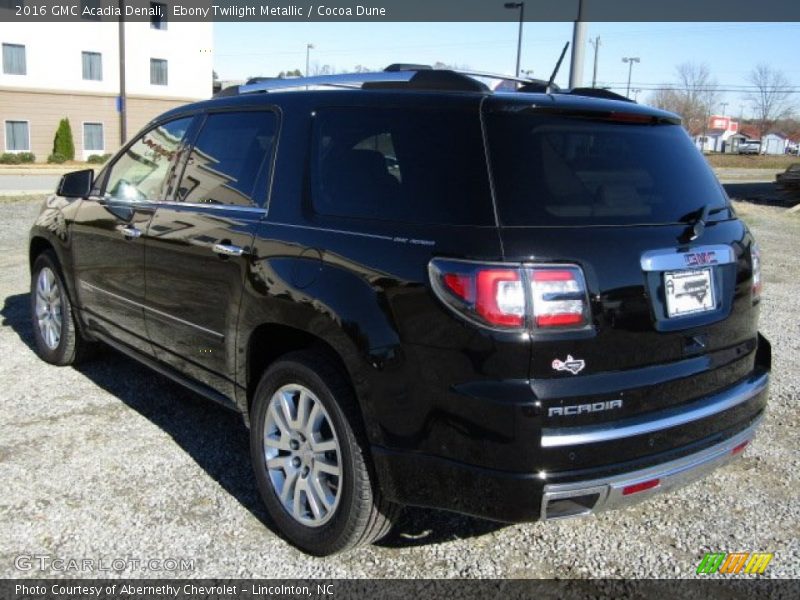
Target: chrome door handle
{"points": [[228, 250], [130, 232]]}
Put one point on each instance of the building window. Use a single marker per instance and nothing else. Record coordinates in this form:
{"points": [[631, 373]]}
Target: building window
{"points": [[93, 137], [92, 66], [90, 10], [158, 71], [18, 137], [158, 21], [14, 59]]}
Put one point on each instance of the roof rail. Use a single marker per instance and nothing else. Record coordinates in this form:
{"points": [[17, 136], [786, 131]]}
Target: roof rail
{"points": [[349, 80], [413, 77]]}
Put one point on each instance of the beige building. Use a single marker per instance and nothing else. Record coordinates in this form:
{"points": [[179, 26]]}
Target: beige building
{"points": [[55, 70]]}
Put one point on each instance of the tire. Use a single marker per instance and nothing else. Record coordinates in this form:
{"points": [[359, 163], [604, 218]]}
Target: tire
{"points": [[63, 344], [350, 510]]}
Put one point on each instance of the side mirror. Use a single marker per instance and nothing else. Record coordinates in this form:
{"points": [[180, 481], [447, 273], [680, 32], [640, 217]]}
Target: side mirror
{"points": [[77, 184]]}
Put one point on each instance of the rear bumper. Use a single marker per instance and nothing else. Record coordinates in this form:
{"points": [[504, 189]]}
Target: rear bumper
{"points": [[585, 497], [703, 408], [703, 436]]}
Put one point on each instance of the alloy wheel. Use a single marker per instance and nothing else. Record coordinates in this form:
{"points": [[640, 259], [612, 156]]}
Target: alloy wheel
{"points": [[302, 455], [48, 307]]}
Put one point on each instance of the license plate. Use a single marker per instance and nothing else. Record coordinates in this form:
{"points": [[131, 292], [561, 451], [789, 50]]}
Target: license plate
{"points": [[689, 292]]}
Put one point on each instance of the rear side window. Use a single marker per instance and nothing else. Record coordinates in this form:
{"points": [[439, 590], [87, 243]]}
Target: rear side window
{"points": [[227, 158], [396, 164], [556, 171]]}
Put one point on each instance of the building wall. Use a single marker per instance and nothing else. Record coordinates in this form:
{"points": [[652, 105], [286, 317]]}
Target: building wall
{"points": [[43, 109], [53, 86], [773, 144]]}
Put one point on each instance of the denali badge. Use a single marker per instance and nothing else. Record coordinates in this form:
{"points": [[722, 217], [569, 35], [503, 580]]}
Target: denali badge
{"points": [[577, 409], [573, 365]]}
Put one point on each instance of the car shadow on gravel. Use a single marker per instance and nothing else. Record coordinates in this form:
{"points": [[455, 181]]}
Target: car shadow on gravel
{"points": [[217, 439], [766, 193]]}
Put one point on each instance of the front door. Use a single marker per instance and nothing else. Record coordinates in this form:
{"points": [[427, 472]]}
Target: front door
{"points": [[110, 229]]}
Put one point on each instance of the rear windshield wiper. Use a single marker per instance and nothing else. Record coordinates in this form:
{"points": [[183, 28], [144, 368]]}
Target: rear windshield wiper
{"points": [[697, 225]]}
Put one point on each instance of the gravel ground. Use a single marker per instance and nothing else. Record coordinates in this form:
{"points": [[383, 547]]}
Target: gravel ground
{"points": [[110, 461]]}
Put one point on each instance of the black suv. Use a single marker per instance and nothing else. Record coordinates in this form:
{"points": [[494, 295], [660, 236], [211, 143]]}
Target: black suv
{"points": [[518, 305]]}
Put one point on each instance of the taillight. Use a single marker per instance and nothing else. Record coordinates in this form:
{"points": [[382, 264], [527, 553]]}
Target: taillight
{"points": [[755, 254], [490, 295], [513, 297], [559, 297]]}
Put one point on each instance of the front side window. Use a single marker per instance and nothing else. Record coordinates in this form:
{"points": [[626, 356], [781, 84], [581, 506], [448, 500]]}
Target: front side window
{"points": [[92, 66], [228, 157], [405, 165], [14, 59], [140, 174], [93, 137], [158, 71], [17, 136]]}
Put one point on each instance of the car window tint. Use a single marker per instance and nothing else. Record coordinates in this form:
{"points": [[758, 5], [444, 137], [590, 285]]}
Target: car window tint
{"points": [[227, 157], [140, 173], [408, 165], [552, 170]]}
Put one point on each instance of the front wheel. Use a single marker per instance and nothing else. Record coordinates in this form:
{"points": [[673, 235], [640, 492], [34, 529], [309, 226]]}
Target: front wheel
{"points": [[55, 331], [311, 458]]}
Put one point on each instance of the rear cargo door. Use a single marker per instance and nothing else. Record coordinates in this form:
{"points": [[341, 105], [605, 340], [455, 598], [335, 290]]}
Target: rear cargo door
{"points": [[667, 266]]}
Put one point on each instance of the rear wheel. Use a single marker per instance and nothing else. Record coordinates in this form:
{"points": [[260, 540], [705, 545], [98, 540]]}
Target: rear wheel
{"points": [[55, 331], [311, 458]]}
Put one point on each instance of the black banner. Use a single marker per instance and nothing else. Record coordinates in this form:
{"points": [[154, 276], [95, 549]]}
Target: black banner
{"points": [[398, 10], [744, 587]]}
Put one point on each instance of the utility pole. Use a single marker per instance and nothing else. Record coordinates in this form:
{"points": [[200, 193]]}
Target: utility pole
{"points": [[630, 60], [521, 7], [578, 48], [635, 92], [596, 44], [309, 48], [723, 105], [123, 109]]}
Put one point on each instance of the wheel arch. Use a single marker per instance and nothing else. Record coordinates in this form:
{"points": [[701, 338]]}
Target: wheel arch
{"points": [[39, 244], [268, 342]]}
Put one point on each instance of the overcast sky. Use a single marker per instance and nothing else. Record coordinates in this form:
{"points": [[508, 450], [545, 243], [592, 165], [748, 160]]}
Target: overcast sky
{"points": [[729, 49]]}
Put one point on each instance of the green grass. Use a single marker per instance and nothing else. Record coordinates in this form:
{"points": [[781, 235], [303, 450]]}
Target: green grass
{"points": [[747, 161], [11, 199]]}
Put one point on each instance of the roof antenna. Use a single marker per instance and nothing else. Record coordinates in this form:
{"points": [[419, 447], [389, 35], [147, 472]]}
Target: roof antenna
{"points": [[555, 71]]}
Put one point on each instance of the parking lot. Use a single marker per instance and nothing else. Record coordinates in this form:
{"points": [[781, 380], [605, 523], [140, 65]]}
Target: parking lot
{"points": [[111, 461]]}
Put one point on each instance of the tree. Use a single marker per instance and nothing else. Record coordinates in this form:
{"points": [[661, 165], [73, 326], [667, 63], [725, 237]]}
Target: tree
{"points": [[693, 96], [771, 99], [63, 144]]}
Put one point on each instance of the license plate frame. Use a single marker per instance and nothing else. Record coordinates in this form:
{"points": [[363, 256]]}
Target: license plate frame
{"points": [[689, 292]]}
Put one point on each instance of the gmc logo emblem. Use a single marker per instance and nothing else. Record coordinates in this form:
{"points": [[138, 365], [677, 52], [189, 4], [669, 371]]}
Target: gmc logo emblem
{"points": [[697, 259]]}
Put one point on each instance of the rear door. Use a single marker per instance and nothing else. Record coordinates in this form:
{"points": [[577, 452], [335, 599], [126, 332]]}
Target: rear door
{"points": [[199, 245], [110, 229], [622, 195]]}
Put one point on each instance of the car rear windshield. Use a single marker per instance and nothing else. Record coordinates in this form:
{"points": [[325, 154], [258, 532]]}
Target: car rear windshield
{"points": [[564, 171]]}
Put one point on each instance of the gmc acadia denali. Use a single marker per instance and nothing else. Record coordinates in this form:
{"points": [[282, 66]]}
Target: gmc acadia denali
{"points": [[518, 305]]}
